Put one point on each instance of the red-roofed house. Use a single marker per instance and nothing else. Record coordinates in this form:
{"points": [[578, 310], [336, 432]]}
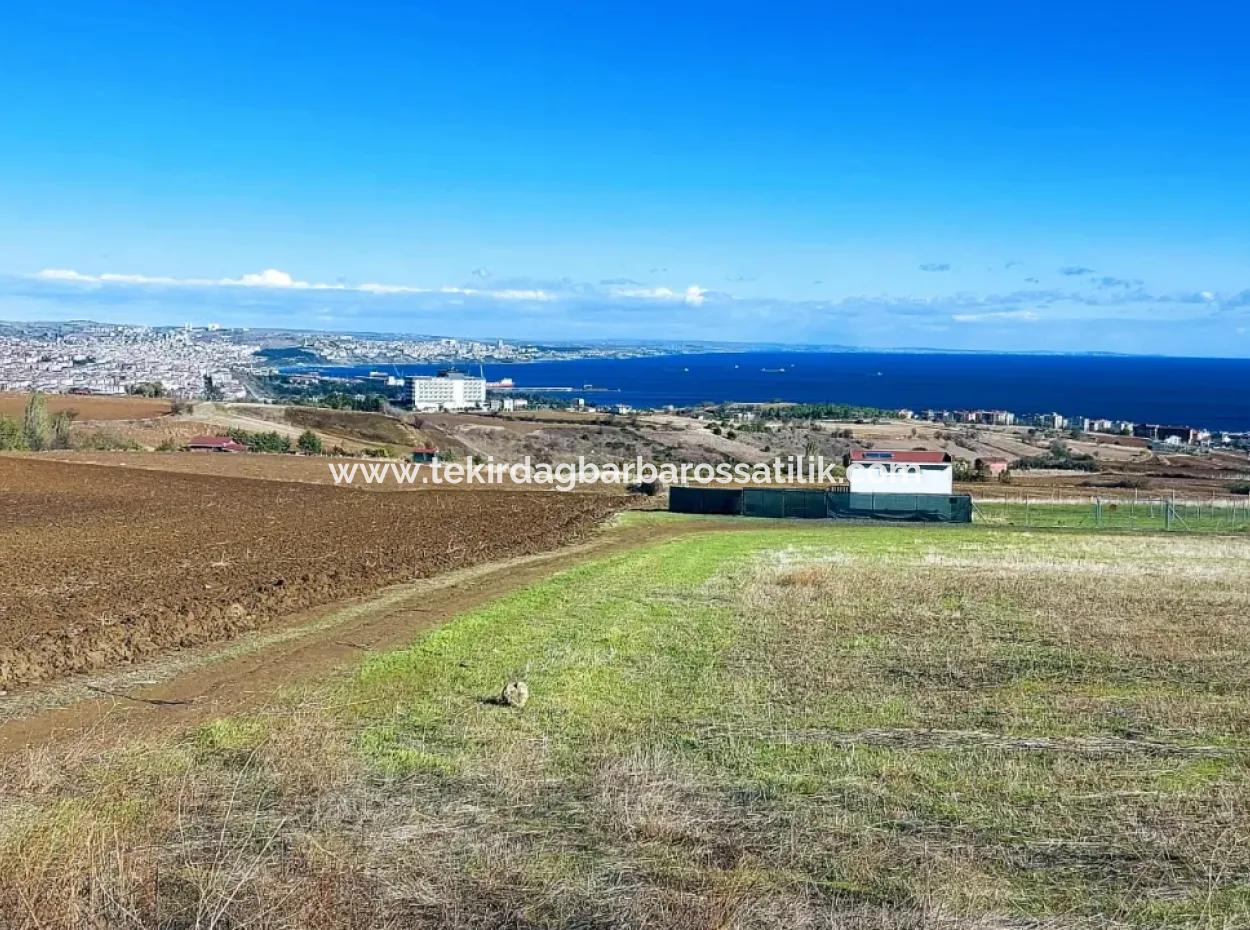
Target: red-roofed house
{"points": [[994, 467], [214, 444], [917, 456], [899, 471]]}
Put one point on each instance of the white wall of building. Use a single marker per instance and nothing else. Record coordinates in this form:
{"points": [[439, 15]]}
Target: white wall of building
{"points": [[448, 393], [900, 478]]}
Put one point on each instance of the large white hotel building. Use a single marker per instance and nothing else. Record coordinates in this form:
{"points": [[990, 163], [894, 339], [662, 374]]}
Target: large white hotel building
{"points": [[448, 390]]}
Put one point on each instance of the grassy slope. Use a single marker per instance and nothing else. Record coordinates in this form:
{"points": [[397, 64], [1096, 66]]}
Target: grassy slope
{"points": [[777, 727]]}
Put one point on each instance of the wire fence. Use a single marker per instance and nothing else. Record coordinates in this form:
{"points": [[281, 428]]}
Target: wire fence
{"points": [[1215, 514]]}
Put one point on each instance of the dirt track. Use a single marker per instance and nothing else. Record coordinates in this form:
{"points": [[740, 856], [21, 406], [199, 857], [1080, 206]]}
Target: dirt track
{"points": [[104, 566], [89, 712]]}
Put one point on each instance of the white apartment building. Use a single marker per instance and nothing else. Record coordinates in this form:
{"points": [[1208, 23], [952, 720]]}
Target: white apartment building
{"points": [[448, 390]]}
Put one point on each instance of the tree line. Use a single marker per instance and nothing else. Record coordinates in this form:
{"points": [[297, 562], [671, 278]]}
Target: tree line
{"points": [[308, 442]]}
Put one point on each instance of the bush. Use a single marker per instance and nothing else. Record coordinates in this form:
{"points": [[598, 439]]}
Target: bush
{"points": [[61, 430], [12, 437], [309, 443], [1060, 457], [271, 441], [648, 488], [106, 440]]}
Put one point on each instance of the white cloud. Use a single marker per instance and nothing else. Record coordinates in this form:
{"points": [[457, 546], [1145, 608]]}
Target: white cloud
{"points": [[693, 295], [1026, 316], [270, 277], [63, 274], [280, 280]]}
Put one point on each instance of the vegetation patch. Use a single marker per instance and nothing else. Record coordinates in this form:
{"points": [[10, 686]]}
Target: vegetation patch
{"points": [[863, 726]]}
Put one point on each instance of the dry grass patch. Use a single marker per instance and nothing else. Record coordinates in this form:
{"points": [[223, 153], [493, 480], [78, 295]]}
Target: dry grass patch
{"points": [[876, 727]]}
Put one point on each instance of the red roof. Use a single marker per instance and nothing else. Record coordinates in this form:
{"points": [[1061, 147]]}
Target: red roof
{"points": [[899, 455], [215, 442]]}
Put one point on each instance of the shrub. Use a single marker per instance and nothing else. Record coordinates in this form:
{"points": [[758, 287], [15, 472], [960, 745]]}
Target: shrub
{"points": [[12, 437], [105, 440], [309, 443], [271, 441], [61, 430]]}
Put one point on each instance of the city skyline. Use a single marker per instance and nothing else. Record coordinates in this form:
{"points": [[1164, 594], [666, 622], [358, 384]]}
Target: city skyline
{"points": [[990, 179]]}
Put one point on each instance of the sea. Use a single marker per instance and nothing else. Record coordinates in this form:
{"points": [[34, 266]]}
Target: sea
{"points": [[1209, 393]]}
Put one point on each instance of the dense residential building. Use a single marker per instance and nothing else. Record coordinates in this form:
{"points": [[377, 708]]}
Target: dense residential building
{"points": [[991, 417], [104, 359], [1180, 435]]}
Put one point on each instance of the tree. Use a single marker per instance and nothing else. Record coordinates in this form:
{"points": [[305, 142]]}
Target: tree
{"points": [[12, 437], [146, 389], [61, 429], [36, 427], [309, 443], [211, 391], [271, 441]]}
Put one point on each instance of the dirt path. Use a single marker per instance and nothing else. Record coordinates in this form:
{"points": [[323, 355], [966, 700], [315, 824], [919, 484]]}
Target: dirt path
{"points": [[92, 712]]}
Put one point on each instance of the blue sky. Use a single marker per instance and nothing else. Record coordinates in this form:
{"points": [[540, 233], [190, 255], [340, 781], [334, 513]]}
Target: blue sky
{"points": [[970, 175]]}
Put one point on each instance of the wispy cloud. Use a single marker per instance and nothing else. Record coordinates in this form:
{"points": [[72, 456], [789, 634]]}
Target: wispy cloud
{"points": [[274, 279], [1089, 313], [1108, 281], [935, 266], [1073, 271], [693, 295], [997, 316]]}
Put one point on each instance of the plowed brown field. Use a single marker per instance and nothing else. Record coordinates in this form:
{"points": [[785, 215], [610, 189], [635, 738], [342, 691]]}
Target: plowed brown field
{"points": [[88, 406], [100, 566]]}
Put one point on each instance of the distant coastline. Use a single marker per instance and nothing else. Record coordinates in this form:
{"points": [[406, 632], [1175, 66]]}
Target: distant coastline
{"points": [[1207, 393]]}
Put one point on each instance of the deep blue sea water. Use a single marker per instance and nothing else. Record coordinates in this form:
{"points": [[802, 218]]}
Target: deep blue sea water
{"points": [[1211, 393]]}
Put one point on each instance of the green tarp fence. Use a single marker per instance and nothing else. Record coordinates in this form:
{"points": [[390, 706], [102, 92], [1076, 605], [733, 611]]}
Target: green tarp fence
{"points": [[804, 503], [784, 502], [935, 508], [705, 500]]}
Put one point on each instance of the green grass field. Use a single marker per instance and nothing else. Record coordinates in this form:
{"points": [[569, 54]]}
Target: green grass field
{"points": [[1224, 516], [876, 726]]}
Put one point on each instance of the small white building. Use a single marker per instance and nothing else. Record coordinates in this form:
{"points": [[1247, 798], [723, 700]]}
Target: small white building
{"points": [[448, 390], [890, 471]]}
